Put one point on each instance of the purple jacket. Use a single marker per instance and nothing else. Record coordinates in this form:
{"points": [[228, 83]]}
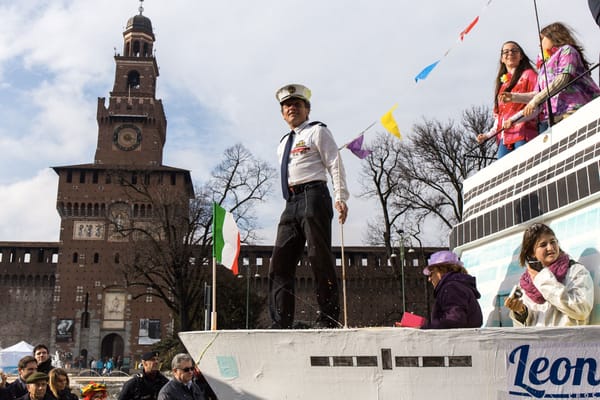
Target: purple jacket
{"points": [[456, 303]]}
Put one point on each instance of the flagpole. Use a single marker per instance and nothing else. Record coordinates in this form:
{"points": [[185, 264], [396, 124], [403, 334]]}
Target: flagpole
{"points": [[213, 314], [213, 311]]}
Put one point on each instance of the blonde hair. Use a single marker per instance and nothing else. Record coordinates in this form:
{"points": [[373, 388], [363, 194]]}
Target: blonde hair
{"points": [[54, 373]]}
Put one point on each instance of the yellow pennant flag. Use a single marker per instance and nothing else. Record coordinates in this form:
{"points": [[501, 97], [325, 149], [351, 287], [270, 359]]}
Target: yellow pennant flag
{"points": [[390, 124]]}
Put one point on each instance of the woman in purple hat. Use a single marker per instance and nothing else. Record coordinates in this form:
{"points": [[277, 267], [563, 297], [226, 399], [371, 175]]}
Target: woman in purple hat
{"points": [[455, 293]]}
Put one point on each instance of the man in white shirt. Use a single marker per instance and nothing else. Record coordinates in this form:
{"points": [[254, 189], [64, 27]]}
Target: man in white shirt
{"points": [[306, 155]]}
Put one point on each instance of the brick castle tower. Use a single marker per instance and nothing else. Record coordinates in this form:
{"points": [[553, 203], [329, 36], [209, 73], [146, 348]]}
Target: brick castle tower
{"points": [[95, 314]]}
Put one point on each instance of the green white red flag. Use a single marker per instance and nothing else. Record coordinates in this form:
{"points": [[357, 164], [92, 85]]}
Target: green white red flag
{"points": [[226, 238]]}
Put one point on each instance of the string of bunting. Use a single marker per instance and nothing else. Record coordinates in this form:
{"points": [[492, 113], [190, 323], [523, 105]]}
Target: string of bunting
{"points": [[356, 146]]}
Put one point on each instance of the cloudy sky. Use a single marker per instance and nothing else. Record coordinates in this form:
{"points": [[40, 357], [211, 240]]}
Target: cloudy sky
{"points": [[220, 64]]}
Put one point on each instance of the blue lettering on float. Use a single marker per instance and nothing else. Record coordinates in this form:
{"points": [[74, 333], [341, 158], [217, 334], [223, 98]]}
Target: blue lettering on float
{"points": [[558, 373]]}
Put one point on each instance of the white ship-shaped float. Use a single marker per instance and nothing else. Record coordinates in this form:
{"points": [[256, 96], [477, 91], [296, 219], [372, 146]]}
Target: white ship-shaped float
{"points": [[555, 179]]}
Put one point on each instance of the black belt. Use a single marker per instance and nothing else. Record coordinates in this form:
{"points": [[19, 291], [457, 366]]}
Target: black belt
{"points": [[301, 188]]}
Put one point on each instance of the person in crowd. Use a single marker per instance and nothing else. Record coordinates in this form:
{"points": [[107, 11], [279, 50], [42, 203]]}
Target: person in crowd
{"points": [[558, 291], [455, 293], [515, 75], [306, 155], [99, 366], [26, 366], [181, 387], [94, 391], [4, 393], [146, 384], [60, 385], [42, 356], [562, 60], [37, 385]]}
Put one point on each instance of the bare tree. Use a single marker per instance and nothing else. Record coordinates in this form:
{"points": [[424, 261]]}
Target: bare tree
{"points": [[170, 253], [437, 159], [421, 176]]}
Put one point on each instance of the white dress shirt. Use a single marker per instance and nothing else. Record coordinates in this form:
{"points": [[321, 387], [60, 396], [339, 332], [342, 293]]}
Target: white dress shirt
{"points": [[314, 152]]}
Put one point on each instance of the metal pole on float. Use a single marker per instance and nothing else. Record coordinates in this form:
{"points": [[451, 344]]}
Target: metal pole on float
{"points": [[344, 277], [344, 298]]}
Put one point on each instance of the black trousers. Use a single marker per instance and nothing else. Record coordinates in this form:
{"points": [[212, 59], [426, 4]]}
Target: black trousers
{"points": [[306, 219]]}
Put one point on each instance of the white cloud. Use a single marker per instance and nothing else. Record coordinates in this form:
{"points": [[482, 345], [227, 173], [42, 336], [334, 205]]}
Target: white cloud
{"points": [[28, 211], [220, 64]]}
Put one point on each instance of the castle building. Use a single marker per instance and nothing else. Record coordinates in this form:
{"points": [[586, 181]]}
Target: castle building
{"points": [[94, 313]]}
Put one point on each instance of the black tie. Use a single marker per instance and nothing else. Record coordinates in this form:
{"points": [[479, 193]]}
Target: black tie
{"points": [[284, 166]]}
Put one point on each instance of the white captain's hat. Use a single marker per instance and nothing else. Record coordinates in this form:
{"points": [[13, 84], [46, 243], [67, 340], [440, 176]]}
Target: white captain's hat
{"points": [[293, 90]]}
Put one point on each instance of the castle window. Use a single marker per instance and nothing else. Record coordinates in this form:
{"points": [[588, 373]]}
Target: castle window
{"points": [[69, 176], [82, 177], [40, 257], [108, 179], [173, 178], [12, 256], [95, 177], [146, 179], [96, 258], [133, 80], [54, 258], [75, 257], [146, 53], [134, 179], [117, 258], [27, 257]]}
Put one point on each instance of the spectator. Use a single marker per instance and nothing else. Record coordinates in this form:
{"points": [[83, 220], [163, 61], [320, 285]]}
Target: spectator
{"points": [[26, 367], [60, 385], [94, 391], [181, 386], [37, 385], [455, 293], [42, 356], [558, 291], [146, 384]]}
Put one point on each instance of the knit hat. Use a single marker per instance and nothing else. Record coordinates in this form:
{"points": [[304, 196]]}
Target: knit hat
{"points": [[92, 388], [149, 355]]}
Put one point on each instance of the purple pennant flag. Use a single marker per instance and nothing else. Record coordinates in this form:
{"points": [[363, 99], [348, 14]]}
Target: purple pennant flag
{"points": [[356, 147]]}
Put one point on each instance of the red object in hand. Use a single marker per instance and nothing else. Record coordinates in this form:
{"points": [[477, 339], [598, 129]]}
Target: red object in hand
{"points": [[410, 320]]}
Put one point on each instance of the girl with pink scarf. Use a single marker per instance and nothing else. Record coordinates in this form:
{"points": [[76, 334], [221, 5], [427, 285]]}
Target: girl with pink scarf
{"points": [[557, 291]]}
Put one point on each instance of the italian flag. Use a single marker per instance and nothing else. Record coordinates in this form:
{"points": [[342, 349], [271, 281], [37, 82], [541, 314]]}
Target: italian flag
{"points": [[226, 238]]}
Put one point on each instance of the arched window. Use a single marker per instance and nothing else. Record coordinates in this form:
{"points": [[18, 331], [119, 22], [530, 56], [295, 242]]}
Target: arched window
{"points": [[75, 257], [96, 258], [136, 49]]}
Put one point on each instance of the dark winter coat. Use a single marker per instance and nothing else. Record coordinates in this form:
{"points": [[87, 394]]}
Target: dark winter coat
{"points": [[143, 387], [456, 303]]}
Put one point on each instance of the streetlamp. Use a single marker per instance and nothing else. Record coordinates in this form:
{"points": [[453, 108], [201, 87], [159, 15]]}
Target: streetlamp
{"points": [[256, 275], [401, 234]]}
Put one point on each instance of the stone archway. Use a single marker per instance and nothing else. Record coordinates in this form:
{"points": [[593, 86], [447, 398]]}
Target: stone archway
{"points": [[112, 346]]}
